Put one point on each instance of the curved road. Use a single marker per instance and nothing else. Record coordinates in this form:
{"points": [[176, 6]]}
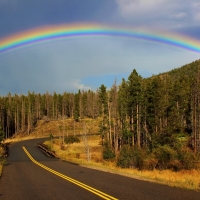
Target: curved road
{"points": [[23, 179]]}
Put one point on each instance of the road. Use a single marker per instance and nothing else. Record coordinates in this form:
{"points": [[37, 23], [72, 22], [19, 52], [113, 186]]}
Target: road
{"points": [[24, 179]]}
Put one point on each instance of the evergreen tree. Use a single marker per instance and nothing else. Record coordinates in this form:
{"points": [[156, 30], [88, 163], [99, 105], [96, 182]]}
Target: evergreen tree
{"points": [[103, 102], [134, 100], [77, 106]]}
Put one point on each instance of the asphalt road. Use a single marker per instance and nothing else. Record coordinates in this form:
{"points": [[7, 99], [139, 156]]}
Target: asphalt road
{"points": [[23, 179]]}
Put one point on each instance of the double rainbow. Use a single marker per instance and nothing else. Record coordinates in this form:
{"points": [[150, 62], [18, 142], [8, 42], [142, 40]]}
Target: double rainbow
{"points": [[64, 31]]}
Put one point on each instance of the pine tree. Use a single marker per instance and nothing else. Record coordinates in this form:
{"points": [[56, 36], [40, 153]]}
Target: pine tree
{"points": [[77, 106], [103, 102], [134, 100]]}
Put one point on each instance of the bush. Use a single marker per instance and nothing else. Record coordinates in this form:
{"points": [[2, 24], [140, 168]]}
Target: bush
{"points": [[187, 158], [162, 157], [164, 154], [71, 139], [138, 156], [125, 157], [108, 152], [175, 165], [131, 157], [150, 163]]}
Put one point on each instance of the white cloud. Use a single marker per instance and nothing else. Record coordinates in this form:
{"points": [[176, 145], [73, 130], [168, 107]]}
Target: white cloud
{"points": [[160, 14], [76, 83], [131, 7], [196, 11]]}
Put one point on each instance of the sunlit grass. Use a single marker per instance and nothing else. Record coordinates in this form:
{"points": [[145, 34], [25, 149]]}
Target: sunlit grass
{"points": [[185, 179]]}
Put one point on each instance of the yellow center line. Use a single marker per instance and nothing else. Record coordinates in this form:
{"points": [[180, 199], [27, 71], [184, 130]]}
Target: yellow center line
{"points": [[91, 189]]}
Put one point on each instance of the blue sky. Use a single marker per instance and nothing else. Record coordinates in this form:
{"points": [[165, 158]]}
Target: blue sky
{"points": [[87, 62]]}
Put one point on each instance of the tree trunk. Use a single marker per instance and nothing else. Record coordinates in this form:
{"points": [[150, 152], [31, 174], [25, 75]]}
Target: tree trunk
{"points": [[138, 127], [132, 128]]}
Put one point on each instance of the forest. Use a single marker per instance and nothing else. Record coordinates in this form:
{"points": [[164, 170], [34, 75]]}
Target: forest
{"points": [[146, 123]]}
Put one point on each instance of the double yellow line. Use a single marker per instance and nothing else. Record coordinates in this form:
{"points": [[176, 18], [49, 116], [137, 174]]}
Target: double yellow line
{"points": [[91, 189]]}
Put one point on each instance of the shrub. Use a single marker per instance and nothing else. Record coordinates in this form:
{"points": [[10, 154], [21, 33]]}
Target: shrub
{"points": [[187, 158], [138, 156], [108, 152], [150, 163], [71, 139], [131, 157], [164, 154], [125, 157], [175, 165]]}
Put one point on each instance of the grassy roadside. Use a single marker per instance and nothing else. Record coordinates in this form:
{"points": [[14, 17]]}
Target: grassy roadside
{"points": [[188, 179]]}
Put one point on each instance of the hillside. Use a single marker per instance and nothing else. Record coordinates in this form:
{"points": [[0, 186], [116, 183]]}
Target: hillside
{"points": [[60, 127]]}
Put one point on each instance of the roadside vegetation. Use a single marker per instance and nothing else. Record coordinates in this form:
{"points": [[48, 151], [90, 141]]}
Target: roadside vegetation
{"points": [[77, 152]]}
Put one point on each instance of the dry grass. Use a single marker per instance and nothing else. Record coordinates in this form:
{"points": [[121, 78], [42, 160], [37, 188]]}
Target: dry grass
{"points": [[77, 152], [184, 179], [58, 127], [66, 127]]}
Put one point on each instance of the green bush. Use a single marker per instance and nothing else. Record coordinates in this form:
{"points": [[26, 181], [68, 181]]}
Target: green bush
{"points": [[108, 153], [131, 157], [125, 157], [187, 158], [162, 157], [71, 139], [138, 156], [164, 154]]}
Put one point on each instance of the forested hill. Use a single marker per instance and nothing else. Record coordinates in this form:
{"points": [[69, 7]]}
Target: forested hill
{"points": [[160, 110], [188, 69]]}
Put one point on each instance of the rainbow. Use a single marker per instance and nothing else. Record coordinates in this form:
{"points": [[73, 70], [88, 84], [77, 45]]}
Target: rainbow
{"points": [[64, 31]]}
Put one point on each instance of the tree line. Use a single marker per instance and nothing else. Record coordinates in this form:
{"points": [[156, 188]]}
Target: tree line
{"points": [[157, 116], [20, 113]]}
